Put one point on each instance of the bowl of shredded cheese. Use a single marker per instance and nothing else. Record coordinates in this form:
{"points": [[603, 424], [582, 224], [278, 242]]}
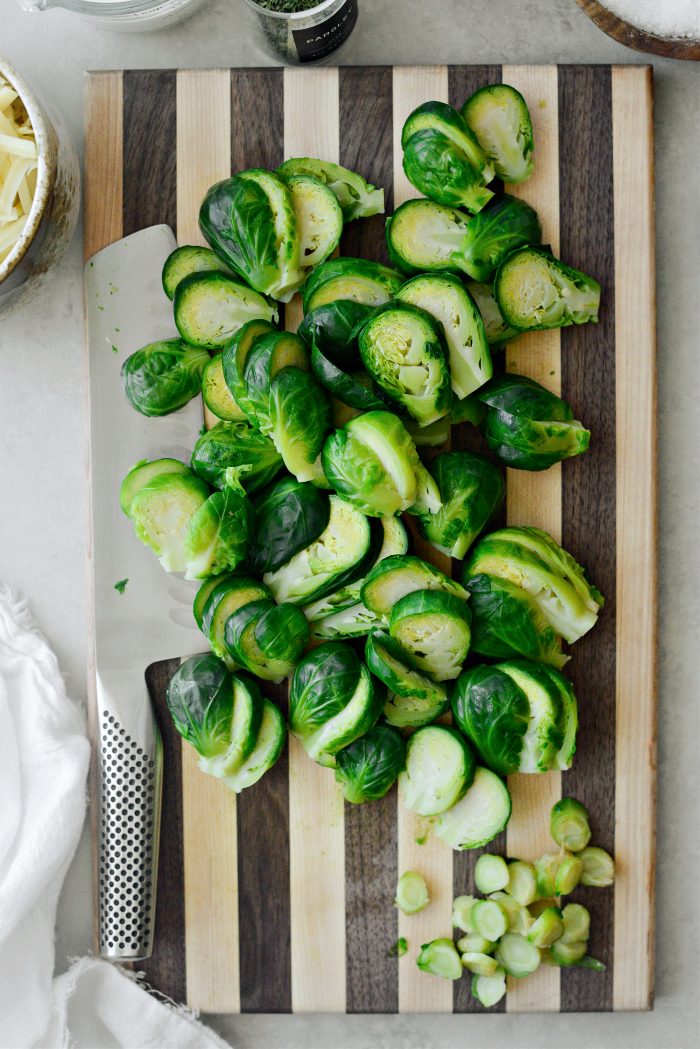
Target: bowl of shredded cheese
{"points": [[39, 190]]}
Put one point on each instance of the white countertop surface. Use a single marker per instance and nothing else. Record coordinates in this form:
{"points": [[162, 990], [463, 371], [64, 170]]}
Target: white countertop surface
{"points": [[42, 461]]}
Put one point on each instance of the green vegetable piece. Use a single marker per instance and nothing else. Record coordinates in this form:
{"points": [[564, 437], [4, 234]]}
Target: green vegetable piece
{"points": [[472, 491], [359, 280], [120, 586], [395, 577], [479, 816], [422, 236], [187, 259], [568, 825], [414, 699], [234, 357], [210, 308], [353, 389], [591, 963], [163, 376], [319, 218], [500, 120], [522, 882], [200, 701], [506, 223], [268, 356], [432, 436], [357, 198], [404, 351], [496, 329], [482, 964], [299, 421], [519, 917], [432, 628], [204, 593], [398, 949], [218, 532], [268, 747], [247, 712], [411, 893], [238, 445], [473, 943], [546, 928], [517, 955], [439, 769], [142, 474], [527, 427], [164, 512], [440, 958], [490, 873], [216, 394], [290, 515], [535, 291], [467, 410], [576, 920], [333, 329], [489, 989], [267, 639], [568, 954], [370, 766], [461, 914], [568, 875], [489, 919], [228, 593], [507, 622], [546, 868], [598, 867]]}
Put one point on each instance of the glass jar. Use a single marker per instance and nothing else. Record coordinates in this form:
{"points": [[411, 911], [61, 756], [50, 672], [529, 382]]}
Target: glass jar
{"points": [[127, 16], [306, 36]]}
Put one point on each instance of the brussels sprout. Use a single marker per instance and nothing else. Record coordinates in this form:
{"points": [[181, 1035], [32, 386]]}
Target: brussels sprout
{"points": [[369, 767], [210, 308], [566, 954], [200, 700], [546, 868], [267, 639], [480, 963], [499, 118], [239, 445], [443, 159], [411, 893], [517, 955], [489, 989], [229, 593], [519, 917], [507, 622], [522, 882], [461, 914], [142, 474], [432, 628], [496, 329], [472, 490], [468, 410], [568, 875], [162, 511], [448, 302], [490, 873], [359, 280], [547, 928], [266, 358], [234, 356], [520, 716], [333, 329], [404, 352], [577, 923], [353, 389], [414, 699], [290, 515], [432, 436], [332, 701], [394, 577], [353, 621], [598, 867], [568, 825], [479, 816], [187, 259], [204, 593], [300, 418], [505, 224], [319, 219], [268, 747], [342, 553], [163, 376], [216, 394], [357, 198], [527, 427], [250, 222], [440, 958], [423, 236], [530, 558], [535, 291], [439, 769], [218, 532], [489, 919]]}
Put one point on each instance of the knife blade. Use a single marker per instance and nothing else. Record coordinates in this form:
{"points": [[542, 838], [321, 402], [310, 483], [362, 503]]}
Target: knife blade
{"points": [[147, 619]]}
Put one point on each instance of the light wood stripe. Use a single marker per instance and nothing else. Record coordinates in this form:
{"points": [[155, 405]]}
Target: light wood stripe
{"points": [[635, 319], [103, 161], [209, 809], [316, 816], [535, 498], [417, 992]]}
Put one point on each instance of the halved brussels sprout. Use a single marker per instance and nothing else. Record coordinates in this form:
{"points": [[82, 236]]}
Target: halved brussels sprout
{"points": [[300, 418], [414, 699], [210, 308], [351, 388], [527, 427], [446, 299], [229, 593], [394, 577], [472, 490], [333, 329], [250, 222], [479, 816], [163, 376], [319, 219], [500, 120], [218, 532], [142, 473], [520, 716], [440, 958], [234, 356], [204, 593], [403, 350], [200, 700], [289, 516], [432, 628], [187, 259], [439, 769], [162, 511], [443, 159], [239, 445], [267, 639], [357, 198], [507, 622], [216, 394], [269, 744], [506, 223], [354, 621], [497, 331], [535, 291], [369, 767], [569, 826], [267, 356], [359, 280], [424, 236]]}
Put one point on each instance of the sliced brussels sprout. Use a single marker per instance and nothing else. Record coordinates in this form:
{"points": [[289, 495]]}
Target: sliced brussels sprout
{"points": [[332, 701], [439, 769], [319, 219], [210, 308], [479, 816], [489, 919], [440, 958], [163, 376], [566, 954], [353, 389], [359, 280], [480, 963], [245, 723], [535, 291], [527, 427], [516, 955], [569, 826], [446, 299], [370, 766], [414, 699], [340, 554], [404, 351], [497, 331], [519, 917], [218, 532], [472, 491], [522, 882], [500, 120], [598, 867], [576, 920], [142, 474], [490, 873], [267, 357], [532, 560], [394, 577], [432, 628], [333, 329], [250, 222], [354, 621], [290, 515], [200, 701], [204, 593], [546, 868], [216, 394], [506, 223], [507, 622], [267, 639], [489, 989], [229, 594], [412, 893], [461, 914], [239, 445], [424, 236], [162, 511], [268, 747], [187, 259], [357, 198], [300, 418], [233, 360], [443, 159], [473, 944], [568, 875]]}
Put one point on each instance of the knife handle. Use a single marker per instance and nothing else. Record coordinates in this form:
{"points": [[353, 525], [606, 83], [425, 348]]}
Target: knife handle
{"points": [[130, 790]]}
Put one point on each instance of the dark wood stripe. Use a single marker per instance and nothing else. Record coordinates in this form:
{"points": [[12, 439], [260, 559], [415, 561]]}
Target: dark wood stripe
{"points": [[588, 486], [366, 146], [150, 163], [263, 811], [165, 969], [371, 868]]}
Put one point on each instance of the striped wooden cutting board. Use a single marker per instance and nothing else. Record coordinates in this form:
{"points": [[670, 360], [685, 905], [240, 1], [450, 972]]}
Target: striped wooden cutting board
{"points": [[281, 899]]}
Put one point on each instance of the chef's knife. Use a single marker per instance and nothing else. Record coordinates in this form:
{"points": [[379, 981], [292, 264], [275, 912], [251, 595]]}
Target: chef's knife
{"points": [[148, 616]]}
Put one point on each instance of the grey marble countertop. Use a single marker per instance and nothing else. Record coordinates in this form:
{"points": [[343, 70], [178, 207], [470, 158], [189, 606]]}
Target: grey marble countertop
{"points": [[42, 457]]}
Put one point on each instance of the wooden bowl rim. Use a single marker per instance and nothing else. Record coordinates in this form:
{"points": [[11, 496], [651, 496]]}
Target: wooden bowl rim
{"points": [[638, 39]]}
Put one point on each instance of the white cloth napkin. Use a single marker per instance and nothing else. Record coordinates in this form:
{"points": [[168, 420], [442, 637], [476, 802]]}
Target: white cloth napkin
{"points": [[44, 756]]}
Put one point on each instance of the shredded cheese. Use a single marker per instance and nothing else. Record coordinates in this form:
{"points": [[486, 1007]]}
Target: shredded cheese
{"points": [[18, 166]]}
